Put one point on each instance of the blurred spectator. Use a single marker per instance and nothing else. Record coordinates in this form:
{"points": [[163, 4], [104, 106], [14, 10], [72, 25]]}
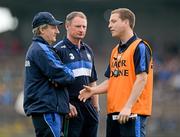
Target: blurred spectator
{"points": [[16, 46], [2, 46], [176, 81], [5, 95]]}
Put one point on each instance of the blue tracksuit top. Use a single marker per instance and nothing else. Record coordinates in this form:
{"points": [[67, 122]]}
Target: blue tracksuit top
{"points": [[42, 68], [80, 61]]}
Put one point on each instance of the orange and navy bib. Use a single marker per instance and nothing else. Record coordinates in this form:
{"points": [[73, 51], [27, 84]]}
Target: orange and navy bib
{"points": [[122, 79]]}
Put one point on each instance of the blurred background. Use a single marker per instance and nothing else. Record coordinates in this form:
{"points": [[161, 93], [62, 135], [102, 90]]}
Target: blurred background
{"points": [[157, 22]]}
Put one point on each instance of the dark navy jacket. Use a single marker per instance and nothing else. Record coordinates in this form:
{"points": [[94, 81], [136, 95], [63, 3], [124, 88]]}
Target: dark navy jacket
{"points": [[80, 61], [42, 68]]}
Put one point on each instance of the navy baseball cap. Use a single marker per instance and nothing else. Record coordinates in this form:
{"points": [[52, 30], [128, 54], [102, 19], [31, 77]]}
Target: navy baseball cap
{"points": [[45, 18]]}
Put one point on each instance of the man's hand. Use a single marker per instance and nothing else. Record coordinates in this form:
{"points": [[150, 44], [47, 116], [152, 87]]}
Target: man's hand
{"points": [[85, 93], [124, 115], [73, 111]]}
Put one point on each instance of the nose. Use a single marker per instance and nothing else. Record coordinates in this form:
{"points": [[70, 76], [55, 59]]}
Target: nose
{"points": [[82, 28], [58, 31], [109, 26]]}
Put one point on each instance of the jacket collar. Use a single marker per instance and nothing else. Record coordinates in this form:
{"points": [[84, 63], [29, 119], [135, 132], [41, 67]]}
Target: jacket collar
{"points": [[40, 39], [69, 44], [123, 47]]}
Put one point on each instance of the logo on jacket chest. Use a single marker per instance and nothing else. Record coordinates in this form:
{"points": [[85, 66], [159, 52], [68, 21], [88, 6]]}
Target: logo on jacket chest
{"points": [[27, 63], [71, 56], [89, 57]]}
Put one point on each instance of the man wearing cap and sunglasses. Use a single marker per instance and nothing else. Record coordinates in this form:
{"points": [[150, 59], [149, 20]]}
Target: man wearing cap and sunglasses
{"points": [[44, 72]]}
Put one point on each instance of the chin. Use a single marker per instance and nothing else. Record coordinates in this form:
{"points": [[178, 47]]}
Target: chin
{"points": [[79, 38], [82, 36], [113, 35], [54, 40]]}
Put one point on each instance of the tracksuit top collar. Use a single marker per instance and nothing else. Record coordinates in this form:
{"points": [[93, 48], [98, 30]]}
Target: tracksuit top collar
{"points": [[123, 47], [41, 40], [69, 44]]}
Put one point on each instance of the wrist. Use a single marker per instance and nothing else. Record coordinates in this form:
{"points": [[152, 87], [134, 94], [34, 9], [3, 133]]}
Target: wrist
{"points": [[129, 106], [97, 108]]}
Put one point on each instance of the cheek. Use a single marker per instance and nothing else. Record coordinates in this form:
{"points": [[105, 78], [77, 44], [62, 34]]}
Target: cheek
{"points": [[72, 31], [85, 30], [51, 35], [119, 27]]}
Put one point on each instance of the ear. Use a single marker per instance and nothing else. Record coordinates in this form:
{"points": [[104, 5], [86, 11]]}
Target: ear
{"points": [[41, 30], [66, 26], [126, 21]]}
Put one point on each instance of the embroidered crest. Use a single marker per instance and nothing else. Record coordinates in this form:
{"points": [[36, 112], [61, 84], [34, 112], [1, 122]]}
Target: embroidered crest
{"points": [[89, 57], [27, 63], [71, 56], [63, 47]]}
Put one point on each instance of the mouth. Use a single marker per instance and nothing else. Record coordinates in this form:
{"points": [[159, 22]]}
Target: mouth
{"points": [[81, 35], [112, 31]]}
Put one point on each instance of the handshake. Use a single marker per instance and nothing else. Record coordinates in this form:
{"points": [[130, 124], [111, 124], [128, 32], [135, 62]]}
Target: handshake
{"points": [[89, 91], [86, 93]]}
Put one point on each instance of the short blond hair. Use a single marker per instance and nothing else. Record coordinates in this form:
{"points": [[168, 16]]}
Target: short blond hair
{"points": [[74, 14], [125, 13]]}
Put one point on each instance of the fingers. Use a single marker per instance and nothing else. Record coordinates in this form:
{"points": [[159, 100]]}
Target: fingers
{"points": [[87, 88], [83, 90], [73, 111], [72, 114], [123, 119], [84, 94], [82, 98]]}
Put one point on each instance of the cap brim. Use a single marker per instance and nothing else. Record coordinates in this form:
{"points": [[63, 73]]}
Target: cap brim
{"points": [[56, 23]]}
